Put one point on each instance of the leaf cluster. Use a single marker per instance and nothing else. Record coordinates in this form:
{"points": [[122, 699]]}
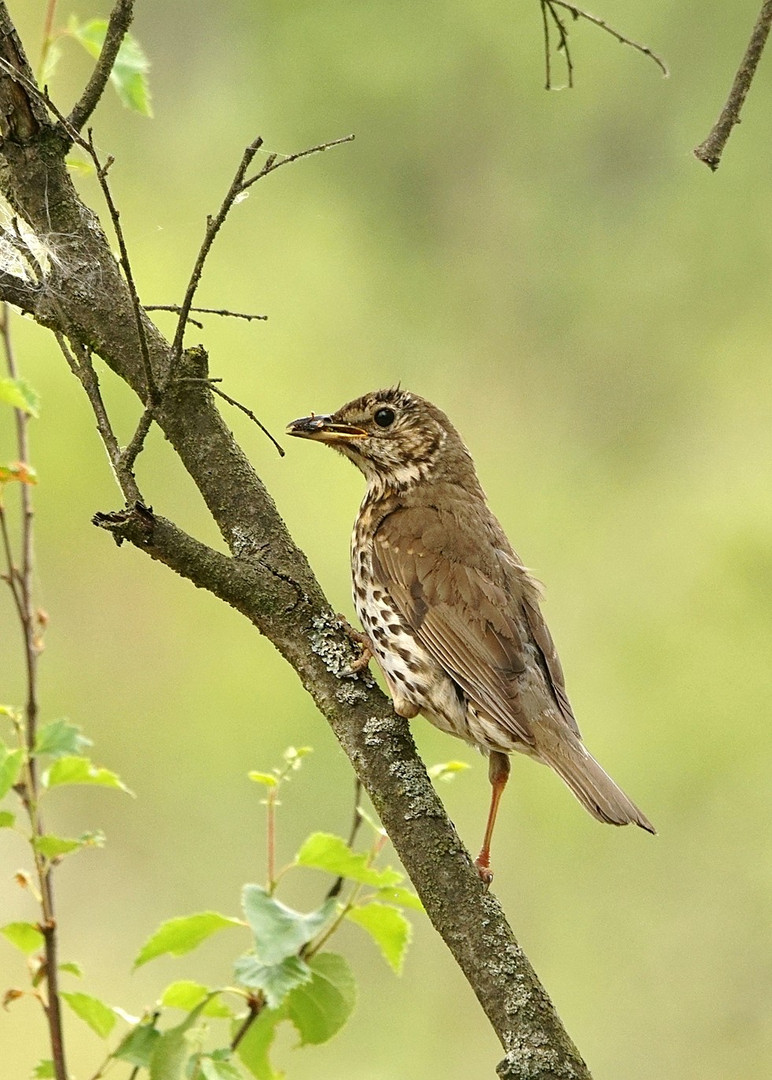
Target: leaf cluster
{"points": [[285, 975]]}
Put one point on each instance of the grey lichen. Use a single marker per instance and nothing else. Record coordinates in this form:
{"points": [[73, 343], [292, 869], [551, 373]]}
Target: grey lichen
{"points": [[327, 640], [350, 693]]}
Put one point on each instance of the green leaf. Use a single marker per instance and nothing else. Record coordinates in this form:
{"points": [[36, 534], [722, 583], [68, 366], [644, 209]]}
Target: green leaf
{"points": [[293, 755], [81, 770], [54, 846], [400, 896], [279, 930], [137, 1047], [218, 1068], [44, 1070], [182, 935], [254, 1048], [129, 74], [321, 1008], [447, 770], [11, 762], [170, 1052], [72, 967], [60, 738], [275, 980], [186, 994], [24, 935], [331, 853], [263, 778], [7, 819], [52, 56], [19, 394], [99, 1017], [388, 928]]}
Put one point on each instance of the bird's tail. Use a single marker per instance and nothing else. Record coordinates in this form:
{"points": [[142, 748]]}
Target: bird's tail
{"points": [[593, 787]]}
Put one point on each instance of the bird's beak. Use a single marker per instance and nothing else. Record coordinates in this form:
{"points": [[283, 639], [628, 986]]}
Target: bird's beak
{"points": [[324, 429]]}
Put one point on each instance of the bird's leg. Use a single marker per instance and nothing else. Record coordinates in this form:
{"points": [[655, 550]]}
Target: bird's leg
{"points": [[360, 639], [498, 774]]}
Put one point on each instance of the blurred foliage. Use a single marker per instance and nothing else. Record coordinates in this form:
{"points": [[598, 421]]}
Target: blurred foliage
{"points": [[590, 305]]}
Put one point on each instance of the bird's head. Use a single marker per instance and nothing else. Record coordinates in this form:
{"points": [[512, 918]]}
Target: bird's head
{"points": [[396, 438]]}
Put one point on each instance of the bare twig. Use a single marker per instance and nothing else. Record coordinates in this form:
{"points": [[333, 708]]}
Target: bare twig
{"points": [[115, 217], [232, 401], [21, 579], [117, 28], [712, 148], [132, 451], [239, 185], [547, 47], [548, 6], [206, 311], [356, 821], [120, 462], [548, 12]]}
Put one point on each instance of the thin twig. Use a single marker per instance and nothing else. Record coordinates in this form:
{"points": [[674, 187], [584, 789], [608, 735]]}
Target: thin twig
{"points": [[30, 628], [238, 186], [547, 47], [712, 148], [48, 31], [117, 28], [232, 401], [356, 821], [206, 311], [276, 161], [256, 1005], [119, 463], [213, 225], [115, 217], [562, 45], [580, 13], [132, 451]]}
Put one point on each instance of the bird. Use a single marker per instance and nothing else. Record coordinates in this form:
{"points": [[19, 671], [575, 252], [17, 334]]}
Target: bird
{"points": [[448, 608]]}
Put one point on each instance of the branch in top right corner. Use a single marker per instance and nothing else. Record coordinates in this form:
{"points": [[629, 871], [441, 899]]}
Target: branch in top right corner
{"points": [[712, 148], [549, 13]]}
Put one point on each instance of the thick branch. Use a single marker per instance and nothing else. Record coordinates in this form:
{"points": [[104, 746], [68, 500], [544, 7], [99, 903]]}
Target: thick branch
{"points": [[712, 148], [307, 632], [18, 291], [268, 579]]}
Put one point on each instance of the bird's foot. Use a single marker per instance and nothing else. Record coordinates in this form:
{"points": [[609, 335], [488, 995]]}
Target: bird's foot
{"points": [[482, 866], [364, 643]]}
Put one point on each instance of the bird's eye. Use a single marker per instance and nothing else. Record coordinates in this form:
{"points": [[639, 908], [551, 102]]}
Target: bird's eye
{"points": [[384, 417]]}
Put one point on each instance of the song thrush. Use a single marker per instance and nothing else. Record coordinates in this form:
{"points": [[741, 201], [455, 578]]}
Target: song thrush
{"points": [[451, 612]]}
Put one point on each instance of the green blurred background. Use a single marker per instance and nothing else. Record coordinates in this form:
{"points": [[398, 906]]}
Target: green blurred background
{"points": [[592, 307]]}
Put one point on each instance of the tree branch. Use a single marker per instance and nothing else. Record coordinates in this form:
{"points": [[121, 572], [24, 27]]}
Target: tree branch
{"points": [[712, 148], [117, 28], [268, 579], [548, 12]]}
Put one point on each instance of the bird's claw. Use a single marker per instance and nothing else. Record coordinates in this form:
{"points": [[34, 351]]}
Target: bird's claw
{"points": [[364, 643], [484, 872]]}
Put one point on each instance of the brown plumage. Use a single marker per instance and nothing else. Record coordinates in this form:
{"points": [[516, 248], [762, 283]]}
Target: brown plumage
{"points": [[451, 612]]}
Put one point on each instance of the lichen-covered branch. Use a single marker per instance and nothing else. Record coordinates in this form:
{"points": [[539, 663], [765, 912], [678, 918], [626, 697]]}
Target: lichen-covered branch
{"points": [[712, 148], [84, 298]]}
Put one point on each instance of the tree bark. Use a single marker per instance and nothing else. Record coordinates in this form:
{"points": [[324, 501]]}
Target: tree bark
{"points": [[84, 298]]}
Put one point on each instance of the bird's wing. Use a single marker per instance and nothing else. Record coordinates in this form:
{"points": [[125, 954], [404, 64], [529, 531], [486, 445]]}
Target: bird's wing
{"points": [[546, 646], [464, 619]]}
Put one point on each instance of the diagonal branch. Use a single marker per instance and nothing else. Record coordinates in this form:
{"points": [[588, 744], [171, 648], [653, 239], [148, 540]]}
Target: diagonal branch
{"points": [[712, 148], [268, 579], [117, 28]]}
